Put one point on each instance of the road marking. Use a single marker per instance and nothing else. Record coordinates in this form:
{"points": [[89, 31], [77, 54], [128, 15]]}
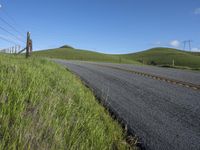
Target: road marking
{"points": [[159, 78]]}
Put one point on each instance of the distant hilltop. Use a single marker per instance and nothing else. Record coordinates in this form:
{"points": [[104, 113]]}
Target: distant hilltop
{"points": [[66, 46]]}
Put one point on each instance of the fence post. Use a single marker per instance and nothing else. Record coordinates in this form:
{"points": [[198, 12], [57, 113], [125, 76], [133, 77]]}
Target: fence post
{"points": [[173, 63], [28, 45]]}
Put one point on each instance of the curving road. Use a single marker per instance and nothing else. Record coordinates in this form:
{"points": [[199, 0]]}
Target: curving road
{"points": [[163, 115]]}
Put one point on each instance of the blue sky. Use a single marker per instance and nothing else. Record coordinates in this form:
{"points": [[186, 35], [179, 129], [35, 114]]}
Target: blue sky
{"points": [[109, 26]]}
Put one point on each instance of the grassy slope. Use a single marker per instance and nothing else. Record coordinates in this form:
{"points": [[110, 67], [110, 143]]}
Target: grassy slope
{"points": [[160, 56], [43, 106], [165, 56], [195, 53], [75, 54]]}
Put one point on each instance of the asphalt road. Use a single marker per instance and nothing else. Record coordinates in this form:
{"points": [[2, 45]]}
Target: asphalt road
{"points": [[163, 115]]}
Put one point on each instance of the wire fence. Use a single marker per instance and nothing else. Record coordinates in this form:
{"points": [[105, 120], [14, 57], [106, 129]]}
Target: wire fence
{"points": [[11, 50], [12, 36]]}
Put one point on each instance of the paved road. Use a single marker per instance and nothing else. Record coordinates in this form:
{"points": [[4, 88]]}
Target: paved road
{"points": [[163, 115]]}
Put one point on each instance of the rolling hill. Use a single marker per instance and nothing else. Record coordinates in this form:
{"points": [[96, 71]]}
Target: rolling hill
{"points": [[155, 56], [165, 57], [84, 55]]}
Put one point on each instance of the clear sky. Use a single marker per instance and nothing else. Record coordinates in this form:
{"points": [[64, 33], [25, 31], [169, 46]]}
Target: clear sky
{"points": [[110, 26]]}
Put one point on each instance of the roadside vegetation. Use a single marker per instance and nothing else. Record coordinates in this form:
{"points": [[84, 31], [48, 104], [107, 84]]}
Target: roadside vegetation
{"points": [[162, 57], [43, 106]]}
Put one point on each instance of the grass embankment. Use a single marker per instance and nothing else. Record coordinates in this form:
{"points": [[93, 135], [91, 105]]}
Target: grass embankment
{"points": [[43, 106], [156, 56]]}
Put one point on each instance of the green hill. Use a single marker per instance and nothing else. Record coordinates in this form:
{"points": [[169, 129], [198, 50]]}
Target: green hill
{"points": [[155, 56], [84, 55], [165, 57]]}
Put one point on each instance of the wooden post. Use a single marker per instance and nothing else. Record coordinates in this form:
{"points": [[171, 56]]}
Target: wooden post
{"points": [[28, 45], [173, 63], [120, 59]]}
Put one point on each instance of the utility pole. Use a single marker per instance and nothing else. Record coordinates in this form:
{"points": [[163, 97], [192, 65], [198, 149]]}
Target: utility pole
{"points": [[189, 42], [28, 45], [184, 44]]}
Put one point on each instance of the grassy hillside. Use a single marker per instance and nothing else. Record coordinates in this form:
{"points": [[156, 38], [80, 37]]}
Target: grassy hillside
{"points": [[76, 54], [165, 56], [155, 56], [195, 53], [43, 106]]}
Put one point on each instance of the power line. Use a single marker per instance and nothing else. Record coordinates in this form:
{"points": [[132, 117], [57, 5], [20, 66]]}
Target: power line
{"points": [[10, 38], [7, 40], [11, 34], [10, 26], [11, 18]]}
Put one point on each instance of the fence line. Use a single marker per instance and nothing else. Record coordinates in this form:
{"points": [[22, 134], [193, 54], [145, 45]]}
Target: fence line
{"points": [[11, 50], [17, 48]]}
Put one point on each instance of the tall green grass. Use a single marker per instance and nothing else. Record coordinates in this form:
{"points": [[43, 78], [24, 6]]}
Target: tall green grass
{"points": [[43, 106]]}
